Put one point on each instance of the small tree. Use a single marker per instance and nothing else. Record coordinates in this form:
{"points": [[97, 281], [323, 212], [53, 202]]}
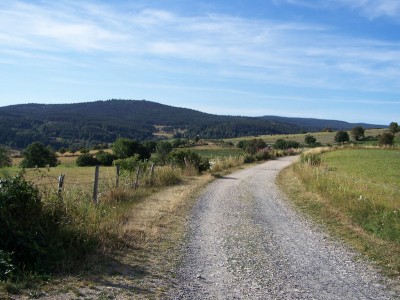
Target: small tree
{"points": [[105, 158], [5, 157], [357, 132], [163, 148], [124, 148], [37, 155], [342, 136], [280, 144], [309, 139], [387, 138], [394, 128]]}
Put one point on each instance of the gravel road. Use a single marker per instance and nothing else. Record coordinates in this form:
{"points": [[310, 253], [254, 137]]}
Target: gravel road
{"points": [[246, 242]]}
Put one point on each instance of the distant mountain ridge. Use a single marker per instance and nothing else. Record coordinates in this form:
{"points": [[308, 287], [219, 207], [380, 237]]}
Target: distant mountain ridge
{"points": [[104, 121]]}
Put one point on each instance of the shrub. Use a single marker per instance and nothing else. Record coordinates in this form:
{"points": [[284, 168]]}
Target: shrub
{"points": [[5, 158], [386, 138], [124, 148], [309, 139], [342, 136], [129, 164], [105, 158], [263, 154], [167, 175], [37, 155], [394, 128], [186, 158], [357, 132], [40, 235], [163, 148], [87, 160], [283, 145], [252, 146], [20, 212]]}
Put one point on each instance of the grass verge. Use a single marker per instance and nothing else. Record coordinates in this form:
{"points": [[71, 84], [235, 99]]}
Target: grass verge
{"points": [[361, 212]]}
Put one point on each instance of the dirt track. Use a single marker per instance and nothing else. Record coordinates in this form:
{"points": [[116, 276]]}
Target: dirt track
{"points": [[246, 242]]}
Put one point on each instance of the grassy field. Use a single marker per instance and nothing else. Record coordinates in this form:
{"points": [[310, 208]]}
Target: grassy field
{"points": [[214, 151], [324, 138], [356, 192]]}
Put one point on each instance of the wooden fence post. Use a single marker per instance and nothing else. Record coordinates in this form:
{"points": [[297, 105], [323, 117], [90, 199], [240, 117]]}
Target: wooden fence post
{"points": [[60, 184], [96, 185], [117, 179], [152, 174], [137, 178]]}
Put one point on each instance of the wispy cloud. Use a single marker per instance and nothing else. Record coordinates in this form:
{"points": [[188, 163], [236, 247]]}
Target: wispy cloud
{"points": [[375, 8], [368, 8], [297, 54]]}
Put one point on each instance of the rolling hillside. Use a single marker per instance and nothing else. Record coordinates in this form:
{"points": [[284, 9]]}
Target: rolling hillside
{"points": [[104, 121]]}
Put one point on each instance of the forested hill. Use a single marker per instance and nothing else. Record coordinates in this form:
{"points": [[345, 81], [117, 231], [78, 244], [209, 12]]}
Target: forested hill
{"points": [[317, 124], [104, 121]]}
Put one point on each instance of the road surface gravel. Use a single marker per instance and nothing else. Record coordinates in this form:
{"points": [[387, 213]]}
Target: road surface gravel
{"points": [[245, 241]]}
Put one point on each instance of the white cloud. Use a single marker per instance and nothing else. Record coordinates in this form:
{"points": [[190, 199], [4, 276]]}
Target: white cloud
{"points": [[369, 8], [285, 53], [375, 8]]}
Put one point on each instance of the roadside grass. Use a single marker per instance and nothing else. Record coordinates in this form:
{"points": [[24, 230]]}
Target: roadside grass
{"points": [[356, 193]]}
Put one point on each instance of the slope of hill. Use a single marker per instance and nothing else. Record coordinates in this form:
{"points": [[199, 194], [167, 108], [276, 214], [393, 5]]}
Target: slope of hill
{"points": [[104, 121]]}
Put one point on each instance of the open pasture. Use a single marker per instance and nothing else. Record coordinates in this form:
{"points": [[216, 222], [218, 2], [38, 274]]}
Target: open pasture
{"points": [[324, 138], [215, 151]]}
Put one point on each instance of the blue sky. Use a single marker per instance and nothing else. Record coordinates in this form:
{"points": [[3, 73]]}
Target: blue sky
{"points": [[331, 59]]}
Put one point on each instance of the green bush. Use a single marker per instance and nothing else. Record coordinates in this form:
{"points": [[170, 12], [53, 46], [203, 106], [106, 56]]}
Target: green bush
{"points": [[36, 236], [105, 158], [184, 157], [37, 155], [386, 138], [283, 145], [20, 213], [342, 136], [5, 158], [87, 160]]}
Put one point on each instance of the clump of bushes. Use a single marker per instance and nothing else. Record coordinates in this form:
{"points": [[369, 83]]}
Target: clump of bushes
{"points": [[185, 159], [87, 160], [284, 145], [35, 237]]}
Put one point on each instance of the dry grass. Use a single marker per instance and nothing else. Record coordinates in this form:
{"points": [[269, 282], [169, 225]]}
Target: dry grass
{"points": [[220, 164], [158, 217]]}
